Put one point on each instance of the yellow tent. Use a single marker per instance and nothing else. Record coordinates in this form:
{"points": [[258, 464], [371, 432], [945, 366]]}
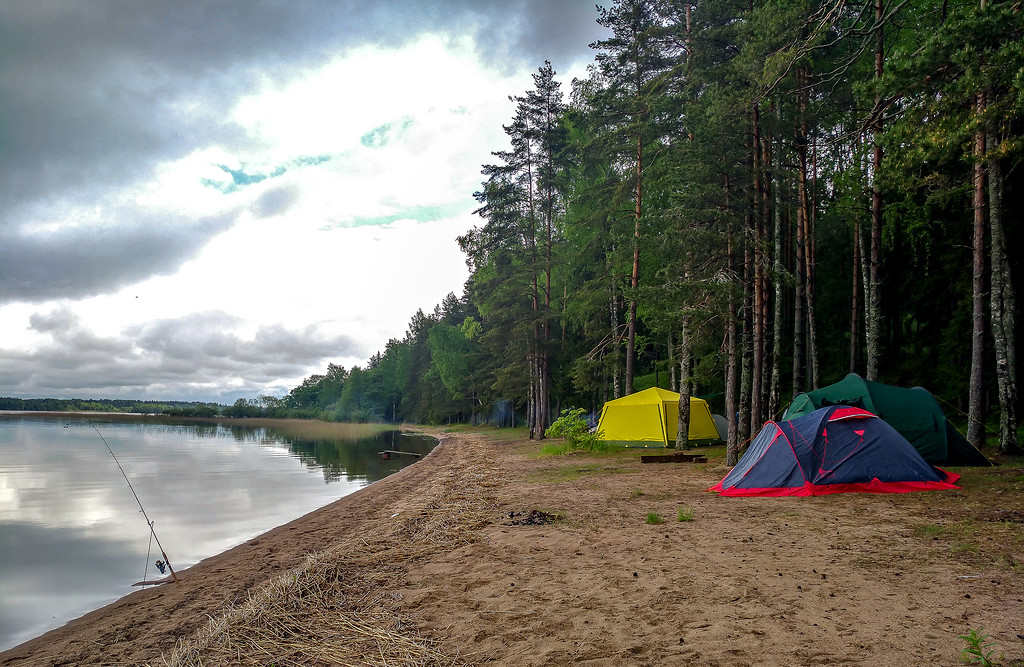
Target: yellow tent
{"points": [[650, 418]]}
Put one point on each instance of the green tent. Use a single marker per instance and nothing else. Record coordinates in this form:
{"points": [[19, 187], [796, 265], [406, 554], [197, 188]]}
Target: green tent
{"points": [[913, 412]]}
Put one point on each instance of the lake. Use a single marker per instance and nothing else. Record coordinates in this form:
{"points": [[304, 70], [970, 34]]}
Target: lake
{"points": [[73, 537]]}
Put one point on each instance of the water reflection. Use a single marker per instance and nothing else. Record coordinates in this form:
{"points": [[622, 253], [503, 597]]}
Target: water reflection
{"points": [[71, 534]]}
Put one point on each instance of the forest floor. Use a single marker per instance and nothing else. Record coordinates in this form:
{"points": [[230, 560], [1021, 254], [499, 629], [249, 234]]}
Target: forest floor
{"points": [[486, 552]]}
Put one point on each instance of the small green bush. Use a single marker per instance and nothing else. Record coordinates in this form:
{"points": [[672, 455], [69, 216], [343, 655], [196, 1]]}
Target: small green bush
{"points": [[573, 427], [685, 515], [654, 518]]}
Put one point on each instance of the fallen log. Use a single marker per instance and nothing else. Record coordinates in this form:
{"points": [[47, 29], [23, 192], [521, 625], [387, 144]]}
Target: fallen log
{"points": [[677, 457]]}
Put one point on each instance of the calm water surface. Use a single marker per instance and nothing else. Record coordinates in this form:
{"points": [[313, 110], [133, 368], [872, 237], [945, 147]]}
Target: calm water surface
{"points": [[72, 537]]}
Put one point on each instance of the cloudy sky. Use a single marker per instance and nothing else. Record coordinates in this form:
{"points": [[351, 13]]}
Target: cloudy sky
{"points": [[210, 199]]}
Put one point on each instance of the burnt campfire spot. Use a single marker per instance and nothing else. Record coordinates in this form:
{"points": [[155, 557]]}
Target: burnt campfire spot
{"points": [[531, 518]]}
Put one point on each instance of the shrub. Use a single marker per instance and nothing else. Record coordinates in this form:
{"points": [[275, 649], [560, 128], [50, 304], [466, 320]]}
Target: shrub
{"points": [[979, 649], [574, 428]]}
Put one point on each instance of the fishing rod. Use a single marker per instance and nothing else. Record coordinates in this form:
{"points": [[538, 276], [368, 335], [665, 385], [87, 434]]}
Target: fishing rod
{"points": [[152, 530]]}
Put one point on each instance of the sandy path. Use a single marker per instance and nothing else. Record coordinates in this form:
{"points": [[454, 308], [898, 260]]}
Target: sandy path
{"points": [[838, 580]]}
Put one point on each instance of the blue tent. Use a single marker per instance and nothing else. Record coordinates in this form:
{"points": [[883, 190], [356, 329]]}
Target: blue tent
{"points": [[838, 449]]}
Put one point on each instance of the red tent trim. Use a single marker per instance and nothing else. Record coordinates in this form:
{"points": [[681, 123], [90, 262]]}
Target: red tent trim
{"points": [[850, 412], [874, 486]]}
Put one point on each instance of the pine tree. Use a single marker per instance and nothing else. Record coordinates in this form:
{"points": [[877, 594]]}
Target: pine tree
{"points": [[635, 64]]}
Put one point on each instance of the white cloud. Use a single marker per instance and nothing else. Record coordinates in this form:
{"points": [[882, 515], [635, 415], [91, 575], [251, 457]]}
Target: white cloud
{"points": [[283, 215]]}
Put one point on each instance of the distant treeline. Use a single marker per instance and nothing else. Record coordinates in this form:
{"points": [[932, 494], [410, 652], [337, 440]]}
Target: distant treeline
{"points": [[262, 406], [174, 408]]}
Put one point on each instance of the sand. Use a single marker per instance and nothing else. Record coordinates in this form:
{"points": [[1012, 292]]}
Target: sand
{"points": [[489, 553]]}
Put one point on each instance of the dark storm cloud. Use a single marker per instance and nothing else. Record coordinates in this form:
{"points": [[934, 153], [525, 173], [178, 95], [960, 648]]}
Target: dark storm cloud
{"points": [[94, 95], [173, 359], [81, 261]]}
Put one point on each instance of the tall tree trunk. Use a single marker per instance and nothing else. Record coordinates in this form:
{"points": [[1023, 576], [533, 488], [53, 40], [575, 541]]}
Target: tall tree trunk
{"points": [[855, 297], [613, 317], [732, 342], [1002, 305], [864, 245], [533, 422], [800, 272], [746, 354], [673, 377], [976, 407], [635, 278], [544, 406], [874, 310], [531, 402], [812, 323], [856, 289], [779, 271], [757, 277], [765, 269], [685, 353]]}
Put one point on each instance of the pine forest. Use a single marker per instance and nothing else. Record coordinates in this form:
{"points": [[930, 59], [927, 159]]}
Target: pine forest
{"points": [[740, 201]]}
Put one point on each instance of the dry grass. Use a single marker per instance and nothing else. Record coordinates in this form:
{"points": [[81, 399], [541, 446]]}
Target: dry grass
{"points": [[336, 608]]}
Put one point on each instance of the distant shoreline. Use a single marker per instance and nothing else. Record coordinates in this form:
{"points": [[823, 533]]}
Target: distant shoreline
{"points": [[247, 421]]}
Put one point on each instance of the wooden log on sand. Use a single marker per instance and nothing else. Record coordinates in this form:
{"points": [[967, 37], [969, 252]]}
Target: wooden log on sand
{"points": [[677, 457]]}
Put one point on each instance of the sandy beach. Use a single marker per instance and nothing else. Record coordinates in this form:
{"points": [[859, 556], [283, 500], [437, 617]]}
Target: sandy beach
{"points": [[485, 552]]}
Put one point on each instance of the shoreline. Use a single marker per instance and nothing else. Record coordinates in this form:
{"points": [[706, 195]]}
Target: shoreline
{"points": [[233, 572], [446, 558]]}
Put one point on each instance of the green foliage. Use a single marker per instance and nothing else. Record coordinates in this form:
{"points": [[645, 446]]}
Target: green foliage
{"points": [[574, 428], [655, 153], [450, 355], [654, 518], [685, 515], [979, 649]]}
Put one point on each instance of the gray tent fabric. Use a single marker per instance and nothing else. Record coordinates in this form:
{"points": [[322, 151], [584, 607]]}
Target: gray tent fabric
{"points": [[722, 425]]}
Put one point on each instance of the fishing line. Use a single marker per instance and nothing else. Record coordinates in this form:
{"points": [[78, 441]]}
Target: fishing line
{"points": [[149, 552], [152, 531]]}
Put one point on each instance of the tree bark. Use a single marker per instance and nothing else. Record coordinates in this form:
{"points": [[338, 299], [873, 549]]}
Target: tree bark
{"points": [[812, 323], [746, 356], [536, 431], [778, 270], [976, 408], [613, 317], [757, 277], [732, 342], [685, 353], [874, 312], [635, 278], [1002, 303], [855, 298], [673, 377], [800, 301]]}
